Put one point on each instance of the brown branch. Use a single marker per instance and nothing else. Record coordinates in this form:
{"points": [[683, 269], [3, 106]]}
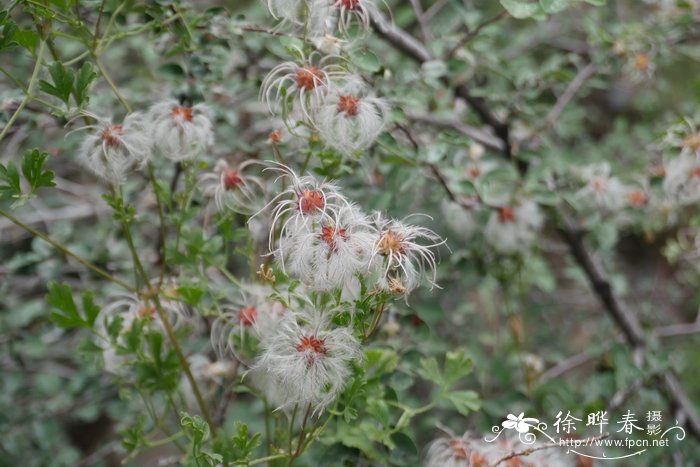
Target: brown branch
{"points": [[571, 90], [473, 33], [529, 451], [477, 134]]}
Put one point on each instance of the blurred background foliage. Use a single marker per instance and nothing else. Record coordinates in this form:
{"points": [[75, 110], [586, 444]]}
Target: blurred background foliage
{"points": [[539, 338]]}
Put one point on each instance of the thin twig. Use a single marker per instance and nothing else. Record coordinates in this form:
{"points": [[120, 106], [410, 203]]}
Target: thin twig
{"points": [[571, 90], [63, 249], [473, 33], [529, 451]]}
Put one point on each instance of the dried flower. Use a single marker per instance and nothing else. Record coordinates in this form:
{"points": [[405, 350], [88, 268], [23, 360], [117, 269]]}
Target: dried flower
{"points": [[307, 361], [513, 228], [400, 256], [308, 83], [180, 132], [349, 118], [112, 149], [231, 189]]}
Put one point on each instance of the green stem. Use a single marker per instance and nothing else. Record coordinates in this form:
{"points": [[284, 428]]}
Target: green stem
{"points": [[268, 458], [112, 85], [66, 251], [161, 221], [30, 88]]}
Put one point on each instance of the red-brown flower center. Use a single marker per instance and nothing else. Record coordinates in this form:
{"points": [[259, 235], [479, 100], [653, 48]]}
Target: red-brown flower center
{"points": [[599, 184], [311, 200], [473, 172], [308, 77], [692, 141], [111, 134], [275, 136], [231, 179], [330, 233], [642, 62], [695, 173], [146, 312], [247, 315], [638, 198], [184, 113], [350, 4], [506, 214], [459, 449], [313, 344], [391, 243], [349, 105]]}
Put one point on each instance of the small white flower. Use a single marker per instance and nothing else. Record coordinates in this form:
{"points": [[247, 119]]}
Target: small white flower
{"points": [[400, 255], [349, 119], [455, 451], [294, 11], [253, 312], [308, 84], [357, 10], [684, 136], [329, 253], [601, 190], [231, 189], [474, 170], [308, 359], [459, 219], [513, 228], [113, 149], [682, 181], [305, 200], [469, 450], [180, 132], [209, 375], [129, 308]]}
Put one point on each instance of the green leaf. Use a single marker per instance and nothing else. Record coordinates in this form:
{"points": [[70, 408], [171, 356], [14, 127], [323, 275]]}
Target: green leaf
{"points": [[7, 34], [554, 6], [10, 175], [32, 165], [68, 315], [521, 9], [367, 61], [27, 39], [62, 78], [431, 371], [85, 77], [457, 366], [464, 401], [61, 296]]}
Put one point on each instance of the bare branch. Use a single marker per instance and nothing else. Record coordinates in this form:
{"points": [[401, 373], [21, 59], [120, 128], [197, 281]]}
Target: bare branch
{"points": [[529, 451], [478, 135], [473, 33], [571, 90]]}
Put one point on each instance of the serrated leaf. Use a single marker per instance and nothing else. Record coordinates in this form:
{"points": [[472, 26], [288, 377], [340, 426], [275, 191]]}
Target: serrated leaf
{"points": [[464, 401], [457, 366], [62, 84], [32, 168], [27, 39], [85, 77], [7, 34], [68, 315], [431, 371], [10, 175], [61, 296]]}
